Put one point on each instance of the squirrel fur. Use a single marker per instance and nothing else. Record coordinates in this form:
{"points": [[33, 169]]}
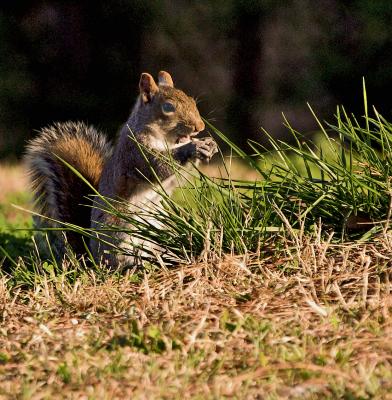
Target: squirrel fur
{"points": [[164, 121]]}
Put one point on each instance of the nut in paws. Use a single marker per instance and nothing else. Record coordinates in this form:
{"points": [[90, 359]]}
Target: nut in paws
{"points": [[205, 148]]}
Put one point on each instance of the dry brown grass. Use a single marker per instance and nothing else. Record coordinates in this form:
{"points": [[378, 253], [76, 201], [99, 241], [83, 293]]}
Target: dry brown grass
{"points": [[314, 322]]}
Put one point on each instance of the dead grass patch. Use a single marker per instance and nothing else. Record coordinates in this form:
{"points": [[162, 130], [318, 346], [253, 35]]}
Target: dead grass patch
{"points": [[314, 322]]}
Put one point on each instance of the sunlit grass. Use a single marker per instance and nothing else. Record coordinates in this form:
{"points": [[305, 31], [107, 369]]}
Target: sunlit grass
{"points": [[341, 180]]}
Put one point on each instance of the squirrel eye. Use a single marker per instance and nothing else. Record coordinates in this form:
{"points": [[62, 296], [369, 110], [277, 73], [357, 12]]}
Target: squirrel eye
{"points": [[168, 108]]}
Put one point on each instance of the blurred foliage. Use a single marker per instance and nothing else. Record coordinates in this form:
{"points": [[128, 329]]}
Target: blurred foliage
{"points": [[247, 61]]}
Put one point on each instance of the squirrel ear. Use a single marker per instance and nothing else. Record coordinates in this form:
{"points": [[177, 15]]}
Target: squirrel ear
{"points": [[147, 87], [164, 79]]}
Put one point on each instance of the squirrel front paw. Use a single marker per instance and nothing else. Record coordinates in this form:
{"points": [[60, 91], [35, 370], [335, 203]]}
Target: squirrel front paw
{"points": [[204, 148]]}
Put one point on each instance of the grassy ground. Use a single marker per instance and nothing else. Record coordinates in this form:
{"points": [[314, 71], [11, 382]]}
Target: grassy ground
{"points": [[13, 190], [310, 320]]}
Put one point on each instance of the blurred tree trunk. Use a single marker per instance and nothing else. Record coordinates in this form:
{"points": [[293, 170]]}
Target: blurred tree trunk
{"points": [[247, 71]]}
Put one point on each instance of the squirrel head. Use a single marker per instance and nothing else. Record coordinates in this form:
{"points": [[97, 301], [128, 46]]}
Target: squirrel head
{"points": [[168, 112]]}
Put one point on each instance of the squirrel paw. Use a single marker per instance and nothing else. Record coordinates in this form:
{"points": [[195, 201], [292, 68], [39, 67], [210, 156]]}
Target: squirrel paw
{"points": [[205, 148]]}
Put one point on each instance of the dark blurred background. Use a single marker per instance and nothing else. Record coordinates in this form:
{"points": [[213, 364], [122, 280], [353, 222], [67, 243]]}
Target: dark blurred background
{"points": [[246, 61]]}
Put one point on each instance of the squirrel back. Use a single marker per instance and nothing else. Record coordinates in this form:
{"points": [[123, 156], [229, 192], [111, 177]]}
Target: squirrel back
{"points": [[59, 193]]}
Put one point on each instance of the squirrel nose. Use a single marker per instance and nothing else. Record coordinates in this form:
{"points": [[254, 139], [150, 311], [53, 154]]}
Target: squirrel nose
{"points": [[199, 126]]}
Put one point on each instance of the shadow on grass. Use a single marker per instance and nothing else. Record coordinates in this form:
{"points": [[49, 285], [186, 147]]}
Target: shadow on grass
{"points": [[13, 246]]}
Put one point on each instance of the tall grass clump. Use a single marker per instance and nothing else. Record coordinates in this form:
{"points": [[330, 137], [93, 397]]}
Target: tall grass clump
{"points": [[340, 179]]}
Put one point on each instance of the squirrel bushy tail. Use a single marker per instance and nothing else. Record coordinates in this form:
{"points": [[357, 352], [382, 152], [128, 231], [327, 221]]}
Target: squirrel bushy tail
{"points": [[58, 192]]}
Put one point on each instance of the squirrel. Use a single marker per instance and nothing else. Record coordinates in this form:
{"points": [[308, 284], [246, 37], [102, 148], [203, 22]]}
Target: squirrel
{"points": [[164, 121]]}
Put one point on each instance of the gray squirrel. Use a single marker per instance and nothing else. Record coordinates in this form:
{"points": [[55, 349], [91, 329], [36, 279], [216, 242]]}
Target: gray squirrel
{"points": [[164, 121]]}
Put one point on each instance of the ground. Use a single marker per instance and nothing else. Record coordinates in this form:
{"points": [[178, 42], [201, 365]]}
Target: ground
{"points": [[311, 320]]}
